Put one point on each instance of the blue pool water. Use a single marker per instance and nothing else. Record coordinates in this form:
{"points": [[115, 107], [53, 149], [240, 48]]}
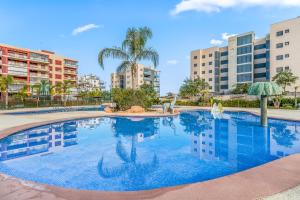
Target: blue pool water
{"points": [[125, 154]]}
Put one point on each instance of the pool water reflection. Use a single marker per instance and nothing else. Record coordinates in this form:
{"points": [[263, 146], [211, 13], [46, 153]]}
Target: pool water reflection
{"points": [[125, 154]]}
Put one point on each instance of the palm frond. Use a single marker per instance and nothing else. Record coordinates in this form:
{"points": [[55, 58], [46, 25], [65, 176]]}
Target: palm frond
{"points": [[123, 66], [149, 54], [114, 52]]}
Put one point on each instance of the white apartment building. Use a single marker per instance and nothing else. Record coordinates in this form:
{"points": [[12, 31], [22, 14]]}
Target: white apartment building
{"points": [[90, 83], [247, 59], [144, 75]]}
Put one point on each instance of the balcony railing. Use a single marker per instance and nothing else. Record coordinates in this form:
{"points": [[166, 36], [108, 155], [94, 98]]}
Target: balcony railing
{"points": [[69, 72], [13, 55], [38, 67], [70, 65], [39, 59], [12, 64]]}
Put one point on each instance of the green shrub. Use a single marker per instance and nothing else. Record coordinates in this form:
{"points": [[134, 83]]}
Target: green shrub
{"points": [[125, 98]]}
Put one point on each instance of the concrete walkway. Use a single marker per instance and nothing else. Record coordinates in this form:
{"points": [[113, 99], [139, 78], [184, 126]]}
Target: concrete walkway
{"points": [[281, 176]]}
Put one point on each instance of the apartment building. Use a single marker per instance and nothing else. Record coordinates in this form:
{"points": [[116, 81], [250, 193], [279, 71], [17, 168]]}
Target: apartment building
{"points": [[144, 75], [90, 83], [29, 67], [248, 59]]}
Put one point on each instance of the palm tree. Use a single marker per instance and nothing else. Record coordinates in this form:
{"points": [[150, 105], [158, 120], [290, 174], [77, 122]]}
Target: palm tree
{"points": [[63, 88], [284, 79], [23, 92], [5, 82], [295, 95], [41, 89], [132, 51]]}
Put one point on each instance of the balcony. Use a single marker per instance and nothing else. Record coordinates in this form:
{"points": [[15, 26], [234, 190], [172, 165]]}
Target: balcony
{"points": [[71, 65], [70, 72], [38, 67], [15, 64], [18, 56], [17, 73], [42, 60]]}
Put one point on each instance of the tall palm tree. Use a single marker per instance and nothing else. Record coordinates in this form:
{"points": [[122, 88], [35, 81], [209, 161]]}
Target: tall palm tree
{"points": [[132, 51], [5, 82]]}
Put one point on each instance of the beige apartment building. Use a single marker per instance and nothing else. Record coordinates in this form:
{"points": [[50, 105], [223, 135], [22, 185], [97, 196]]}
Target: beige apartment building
{"points": [[144, 75], [248, 59], [29, 67]]}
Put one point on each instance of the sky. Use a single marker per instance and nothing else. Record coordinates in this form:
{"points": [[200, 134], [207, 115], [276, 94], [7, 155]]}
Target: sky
{"points": [[81, 28]]}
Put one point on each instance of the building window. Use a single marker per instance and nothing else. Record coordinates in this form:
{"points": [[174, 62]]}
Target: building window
{"points": [[279, 45], [224, 87], [279, 69], [195, 57], [259, 56], [225, 78], [287, 68], [224, 70], [279, 33], [287, 55], [224, 62], [287, 43], [260, 65], [203, 64], [210, 55], [244, 68], [260, 75], [203, 56], [210, 87], [280, 57], [210, 63], [244, 59], [260, 46], [195, 65], [247, 39], [224, 53], [203, 72], [195, 72], [210, 71], [210, 79], [244, 77], [244, 50], [287, 30]]}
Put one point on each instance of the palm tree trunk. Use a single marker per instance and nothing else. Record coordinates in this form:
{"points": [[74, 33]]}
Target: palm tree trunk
{"points": [[6, 100], [295, 95], [263, 110]]}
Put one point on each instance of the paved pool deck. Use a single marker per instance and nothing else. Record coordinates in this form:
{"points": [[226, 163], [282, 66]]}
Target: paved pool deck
{"points": [[276, 180]]}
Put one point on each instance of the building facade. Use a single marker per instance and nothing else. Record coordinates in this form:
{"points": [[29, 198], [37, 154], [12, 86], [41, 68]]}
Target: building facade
{"points": [[90, 83], [144, 75], [29, 67], [247, 59]]}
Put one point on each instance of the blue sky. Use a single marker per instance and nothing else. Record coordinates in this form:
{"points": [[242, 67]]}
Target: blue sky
{"points": [[178, 27]]}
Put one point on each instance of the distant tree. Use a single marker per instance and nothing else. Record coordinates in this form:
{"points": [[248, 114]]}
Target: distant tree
{"points": [[193, 88], [23, 93], [241, 88], [285, 78], [132, 51], [63, 88], [5, 82]]}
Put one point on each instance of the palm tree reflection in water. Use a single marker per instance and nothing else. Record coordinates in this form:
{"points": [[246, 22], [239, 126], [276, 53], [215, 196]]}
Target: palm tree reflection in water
{"points": [[131, 171]]}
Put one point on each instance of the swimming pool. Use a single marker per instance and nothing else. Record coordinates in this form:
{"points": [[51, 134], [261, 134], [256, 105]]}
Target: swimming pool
{"points": [[129, 154], [58, 109]]}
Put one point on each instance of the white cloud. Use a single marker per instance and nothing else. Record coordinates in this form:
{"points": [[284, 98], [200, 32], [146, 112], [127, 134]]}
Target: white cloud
{"points": [[172, 62], [216, 42], [84, 28], [217, 5], [225, 36]]}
